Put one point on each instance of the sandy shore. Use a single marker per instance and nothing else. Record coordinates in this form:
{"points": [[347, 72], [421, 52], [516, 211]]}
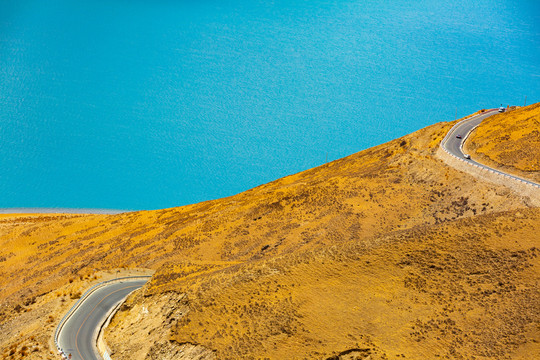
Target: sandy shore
{"points": [[61, 211]]}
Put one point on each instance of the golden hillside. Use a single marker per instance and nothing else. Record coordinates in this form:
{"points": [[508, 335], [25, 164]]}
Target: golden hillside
{"points": [[510, 141], [393, 186], [461, 290], [355, 202]]}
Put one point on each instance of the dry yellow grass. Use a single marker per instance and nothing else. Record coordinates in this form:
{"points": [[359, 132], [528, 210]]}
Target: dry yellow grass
{"points": [[393, 187], [510, 141], [461, 290]]}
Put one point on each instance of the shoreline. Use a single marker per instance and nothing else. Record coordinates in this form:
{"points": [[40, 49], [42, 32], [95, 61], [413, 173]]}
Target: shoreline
{"points": [[8, 211]]}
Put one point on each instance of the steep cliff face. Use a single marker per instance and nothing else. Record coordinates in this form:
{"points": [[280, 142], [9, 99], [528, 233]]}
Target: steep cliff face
{"points": [[510, 141], [355, 205]]}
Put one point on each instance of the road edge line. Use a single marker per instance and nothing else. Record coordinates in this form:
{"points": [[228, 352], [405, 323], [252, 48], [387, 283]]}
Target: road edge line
{"points": [[499, 177], [79, 302], [98, 333]]}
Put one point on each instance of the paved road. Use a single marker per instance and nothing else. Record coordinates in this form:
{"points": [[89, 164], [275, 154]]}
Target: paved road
{"points": [[453, 145], [77, 336]]}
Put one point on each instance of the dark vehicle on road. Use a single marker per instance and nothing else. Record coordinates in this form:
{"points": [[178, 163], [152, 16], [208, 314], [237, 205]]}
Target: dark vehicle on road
{"points": [[458, 136]]}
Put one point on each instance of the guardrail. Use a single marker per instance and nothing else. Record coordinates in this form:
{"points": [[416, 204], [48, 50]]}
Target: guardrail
{"points": [[78, 304], [477, 165]]}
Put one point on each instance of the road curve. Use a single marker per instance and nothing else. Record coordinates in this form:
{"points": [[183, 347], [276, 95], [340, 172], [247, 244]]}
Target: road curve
{"points": [[453, 145], [77, 335]]}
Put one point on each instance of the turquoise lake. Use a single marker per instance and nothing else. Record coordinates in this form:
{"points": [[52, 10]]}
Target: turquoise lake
{"points": [[152, 104]]}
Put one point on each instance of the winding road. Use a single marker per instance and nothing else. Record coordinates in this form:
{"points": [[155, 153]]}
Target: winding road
{"points": [[78, 334], [453, 145]]}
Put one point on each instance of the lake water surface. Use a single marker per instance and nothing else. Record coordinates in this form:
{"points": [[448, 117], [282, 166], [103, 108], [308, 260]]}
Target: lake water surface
{"points": [[149, 104]]}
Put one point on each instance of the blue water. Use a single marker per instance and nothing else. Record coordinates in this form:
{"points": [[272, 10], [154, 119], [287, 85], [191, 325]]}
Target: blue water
{"points": [[149, 104]]}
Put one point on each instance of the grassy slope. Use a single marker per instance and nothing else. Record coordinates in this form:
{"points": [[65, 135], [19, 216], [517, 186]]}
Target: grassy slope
{"points": [[464, 289], [393, 186], [510, 141], [386, 189]]}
